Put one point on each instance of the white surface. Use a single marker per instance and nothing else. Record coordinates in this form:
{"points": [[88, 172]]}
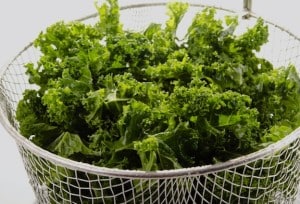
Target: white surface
{"points": [[20, 23]]}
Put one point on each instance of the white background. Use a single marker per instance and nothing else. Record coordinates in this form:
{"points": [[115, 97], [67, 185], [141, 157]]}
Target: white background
{"points": [[22, 20]]}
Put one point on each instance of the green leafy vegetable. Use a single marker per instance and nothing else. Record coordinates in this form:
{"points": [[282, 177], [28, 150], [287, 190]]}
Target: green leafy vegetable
{"points": [[147, 100], [150, 101]]}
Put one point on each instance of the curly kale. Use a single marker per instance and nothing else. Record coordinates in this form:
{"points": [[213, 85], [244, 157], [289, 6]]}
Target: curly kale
{"points": [[147, 100]]}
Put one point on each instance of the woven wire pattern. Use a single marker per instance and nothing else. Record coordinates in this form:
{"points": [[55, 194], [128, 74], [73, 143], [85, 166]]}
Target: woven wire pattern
{"points": [[272, 177]]}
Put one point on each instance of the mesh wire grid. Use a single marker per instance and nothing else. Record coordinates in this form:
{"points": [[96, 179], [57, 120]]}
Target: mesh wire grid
{"points": [[271, 175]]}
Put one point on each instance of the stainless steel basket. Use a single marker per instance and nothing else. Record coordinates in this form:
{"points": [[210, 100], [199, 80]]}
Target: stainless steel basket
{"points": [[271, 175]]}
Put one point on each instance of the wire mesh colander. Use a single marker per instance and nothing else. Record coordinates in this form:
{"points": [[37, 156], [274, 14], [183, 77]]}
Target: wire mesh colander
{"points": [[271, 175]]}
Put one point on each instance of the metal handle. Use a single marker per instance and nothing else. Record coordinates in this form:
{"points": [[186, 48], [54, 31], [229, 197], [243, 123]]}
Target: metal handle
{"points": [[247, 6]]}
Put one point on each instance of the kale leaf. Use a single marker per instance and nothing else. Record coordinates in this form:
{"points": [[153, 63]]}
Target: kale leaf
{"points": [[147, 100]]}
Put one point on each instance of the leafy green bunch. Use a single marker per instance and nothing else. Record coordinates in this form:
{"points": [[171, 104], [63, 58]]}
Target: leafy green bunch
{"points": [[148, 100]]}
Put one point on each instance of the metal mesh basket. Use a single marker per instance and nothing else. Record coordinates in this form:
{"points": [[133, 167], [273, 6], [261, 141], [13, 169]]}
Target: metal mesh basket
{"points": [[271, 175]]}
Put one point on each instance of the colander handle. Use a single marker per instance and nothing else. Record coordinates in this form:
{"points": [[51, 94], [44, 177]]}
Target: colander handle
{"points": [[247, 7]]}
